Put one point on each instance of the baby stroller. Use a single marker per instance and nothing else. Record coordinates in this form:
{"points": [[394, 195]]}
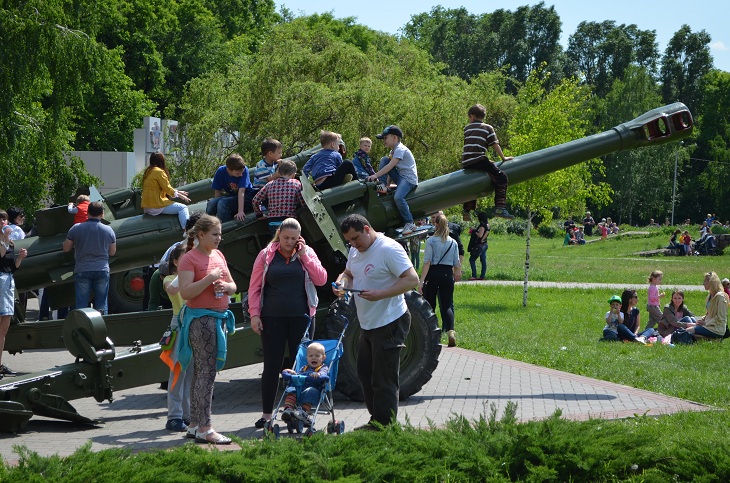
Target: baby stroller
{"points": [[325, 405], [706, 245]]}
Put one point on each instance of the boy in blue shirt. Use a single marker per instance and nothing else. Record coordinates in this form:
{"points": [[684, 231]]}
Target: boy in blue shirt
{"points": [[327, 167], [402, 170], [229, 185]]}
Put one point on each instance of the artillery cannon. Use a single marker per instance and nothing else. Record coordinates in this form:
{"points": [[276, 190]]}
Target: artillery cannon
{"points": [[98, 371]]}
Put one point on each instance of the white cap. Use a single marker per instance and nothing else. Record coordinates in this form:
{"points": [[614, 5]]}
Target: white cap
{"points": [[725, 281]]}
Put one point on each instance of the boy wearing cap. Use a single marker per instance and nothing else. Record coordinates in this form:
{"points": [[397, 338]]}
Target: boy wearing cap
{"points": [[327, 167], [726, 286], [615, 328], [402, 170], [478, 136]]}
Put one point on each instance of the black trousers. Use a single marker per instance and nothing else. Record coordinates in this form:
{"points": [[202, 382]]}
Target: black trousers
{"points": [[440, 283], [338, 177], [499, 179], [378, 367]]}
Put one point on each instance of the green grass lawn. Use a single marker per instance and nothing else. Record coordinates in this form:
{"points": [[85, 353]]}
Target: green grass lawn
{"points": [[559, 329]]}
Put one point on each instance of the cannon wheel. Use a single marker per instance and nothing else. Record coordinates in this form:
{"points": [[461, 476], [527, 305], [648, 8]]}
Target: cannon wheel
{"points": [[125, 294], [418, 360]]}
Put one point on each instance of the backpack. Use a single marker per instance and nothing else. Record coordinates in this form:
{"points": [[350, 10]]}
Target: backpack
{"points": [[681, 336]]}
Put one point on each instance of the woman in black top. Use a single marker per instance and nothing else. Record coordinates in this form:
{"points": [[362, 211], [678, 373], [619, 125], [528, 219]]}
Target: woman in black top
{"points": [[9, 262]]}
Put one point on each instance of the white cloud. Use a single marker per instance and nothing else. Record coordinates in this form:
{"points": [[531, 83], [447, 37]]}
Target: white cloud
{"points": [[719, 45]]}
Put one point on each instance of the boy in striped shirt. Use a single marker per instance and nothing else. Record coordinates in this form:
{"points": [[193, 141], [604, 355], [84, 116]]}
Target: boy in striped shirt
{"points": [[478, 136]]}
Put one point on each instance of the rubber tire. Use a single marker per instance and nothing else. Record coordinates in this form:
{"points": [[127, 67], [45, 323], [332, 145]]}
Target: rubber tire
{"points": [[418, 360], [120, 299]]}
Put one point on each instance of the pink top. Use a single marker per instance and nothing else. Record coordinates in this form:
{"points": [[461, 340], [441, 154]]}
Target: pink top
{"points": [[201, 265], [653, 297]]}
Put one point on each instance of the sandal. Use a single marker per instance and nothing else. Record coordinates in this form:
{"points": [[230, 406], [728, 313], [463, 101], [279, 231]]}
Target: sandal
{"points": [[191, 432], [207, 437], [260, 423]]}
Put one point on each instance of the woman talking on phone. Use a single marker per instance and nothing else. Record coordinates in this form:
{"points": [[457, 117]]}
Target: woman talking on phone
{"points": [[281, 300]]}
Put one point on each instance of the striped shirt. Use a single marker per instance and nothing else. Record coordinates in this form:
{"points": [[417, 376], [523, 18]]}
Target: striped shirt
{"points": [[477, 138], [281, 198], [262, 171]]}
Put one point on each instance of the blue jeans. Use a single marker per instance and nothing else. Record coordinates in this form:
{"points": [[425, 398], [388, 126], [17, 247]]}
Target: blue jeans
{"points": [[86, 283], [403, 190], [482, 256], [177, 209], [699, 330], [224, 207]]}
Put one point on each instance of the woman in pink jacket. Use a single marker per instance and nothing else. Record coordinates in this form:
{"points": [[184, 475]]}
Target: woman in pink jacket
{"points": [[281, 299]]}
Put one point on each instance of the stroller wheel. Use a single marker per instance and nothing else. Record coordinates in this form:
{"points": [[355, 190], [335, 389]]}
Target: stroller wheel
{"points": [[290, 427], [339, 427], [331, 427], [276, 430], [300, 427], [309, 432]]}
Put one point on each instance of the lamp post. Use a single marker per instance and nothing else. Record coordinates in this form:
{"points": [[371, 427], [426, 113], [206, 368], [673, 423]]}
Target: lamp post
{"points": [[674, 186]]}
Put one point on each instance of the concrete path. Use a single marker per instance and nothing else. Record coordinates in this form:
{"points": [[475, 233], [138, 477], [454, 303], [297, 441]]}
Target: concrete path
{"points": [[465, 383], [608, 286]]}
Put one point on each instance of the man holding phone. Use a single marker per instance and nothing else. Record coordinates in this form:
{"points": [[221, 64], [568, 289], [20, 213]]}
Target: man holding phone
{"points": [[380, 268]]}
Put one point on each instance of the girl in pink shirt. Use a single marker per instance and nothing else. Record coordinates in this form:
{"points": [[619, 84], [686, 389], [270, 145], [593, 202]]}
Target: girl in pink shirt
{"points": [[652, 301]]}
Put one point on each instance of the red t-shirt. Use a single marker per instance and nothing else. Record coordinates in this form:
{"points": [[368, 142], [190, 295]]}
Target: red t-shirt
{"points": [[201, 265]]}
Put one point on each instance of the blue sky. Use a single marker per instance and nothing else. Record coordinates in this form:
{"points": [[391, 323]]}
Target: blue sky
{"points": [[665, 17]]}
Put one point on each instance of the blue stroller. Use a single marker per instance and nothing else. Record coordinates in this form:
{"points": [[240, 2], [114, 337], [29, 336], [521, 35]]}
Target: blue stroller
{"points": [[325, 405]]}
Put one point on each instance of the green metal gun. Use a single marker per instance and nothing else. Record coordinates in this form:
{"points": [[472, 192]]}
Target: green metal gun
{"points": [[91, 338]]}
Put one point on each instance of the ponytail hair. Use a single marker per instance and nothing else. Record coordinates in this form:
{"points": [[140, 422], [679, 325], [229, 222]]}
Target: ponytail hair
{"points": [[442, 228]]}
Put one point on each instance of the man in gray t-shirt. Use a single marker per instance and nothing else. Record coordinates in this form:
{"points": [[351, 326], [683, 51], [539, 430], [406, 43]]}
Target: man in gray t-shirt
{"points": [[93, 244]]}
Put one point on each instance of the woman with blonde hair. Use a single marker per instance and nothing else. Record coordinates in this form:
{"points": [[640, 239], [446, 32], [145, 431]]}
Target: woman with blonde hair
{"points": [[441, 267], [282, 298], [714, 323]]}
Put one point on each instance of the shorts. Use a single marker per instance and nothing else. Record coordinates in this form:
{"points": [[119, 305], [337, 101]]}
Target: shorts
{"points": [[7, 294]]}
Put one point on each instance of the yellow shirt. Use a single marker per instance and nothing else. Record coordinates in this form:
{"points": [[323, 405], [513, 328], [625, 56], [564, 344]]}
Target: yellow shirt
{"points": [[177, 300], [156, 188]]}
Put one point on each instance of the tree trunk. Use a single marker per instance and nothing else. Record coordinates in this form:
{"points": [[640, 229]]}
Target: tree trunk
{"points": [[527, 257]]}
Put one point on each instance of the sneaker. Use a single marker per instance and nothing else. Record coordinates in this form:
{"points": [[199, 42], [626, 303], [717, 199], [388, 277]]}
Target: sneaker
{"points": [[191, 432], [503, 213], [408, 229], [177, 425], [302, 416], [259, 424], [347, 178], [287, 415], [6, 371], [452, 338]]}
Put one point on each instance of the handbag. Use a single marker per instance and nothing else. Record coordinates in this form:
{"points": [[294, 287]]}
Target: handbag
{"points": [[167, 342], [681, 336]]}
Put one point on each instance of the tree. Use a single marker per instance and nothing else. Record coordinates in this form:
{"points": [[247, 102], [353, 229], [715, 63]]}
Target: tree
{"points": [[601, 52], [561, 113], [686, 60], [641, 179]]}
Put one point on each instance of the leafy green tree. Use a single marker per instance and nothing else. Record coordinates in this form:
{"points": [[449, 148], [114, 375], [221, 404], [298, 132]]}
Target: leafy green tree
{"points": [[543, 119], [641, 179], [516, 42], [599, 53], [714, 136], [40, 85], [685, 62]]}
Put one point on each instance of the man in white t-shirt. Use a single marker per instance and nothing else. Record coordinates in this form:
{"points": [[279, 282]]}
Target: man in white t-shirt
{"points": [[379, 267]]}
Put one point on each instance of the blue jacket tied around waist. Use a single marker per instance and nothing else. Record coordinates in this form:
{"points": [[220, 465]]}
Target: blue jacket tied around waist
{"points": [[187, 314]]}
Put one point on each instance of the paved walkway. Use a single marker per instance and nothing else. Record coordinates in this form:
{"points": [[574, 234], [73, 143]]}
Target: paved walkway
{"points": [[609, 286], [465, 383]]}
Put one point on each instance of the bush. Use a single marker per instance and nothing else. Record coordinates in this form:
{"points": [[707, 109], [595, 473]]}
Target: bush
{"points": [[549, 229], [720, 230], [517, 227], [498, 226]]}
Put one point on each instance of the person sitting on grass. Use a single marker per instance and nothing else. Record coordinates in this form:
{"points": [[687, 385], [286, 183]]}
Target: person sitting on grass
{"points": [[615, 329], [317, 374], [713, 324]]}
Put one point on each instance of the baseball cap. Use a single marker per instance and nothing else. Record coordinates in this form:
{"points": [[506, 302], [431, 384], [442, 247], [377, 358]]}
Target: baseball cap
{"points": [[392, 129], [613, 299], [725, 281]]}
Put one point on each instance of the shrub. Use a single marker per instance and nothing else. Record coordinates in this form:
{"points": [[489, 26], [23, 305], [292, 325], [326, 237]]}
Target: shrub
{"points": [[548, 229], [498, 226], [517, 227]]}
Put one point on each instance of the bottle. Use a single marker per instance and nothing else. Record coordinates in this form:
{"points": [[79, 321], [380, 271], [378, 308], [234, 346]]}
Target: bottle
{"points": [[219, 292]]}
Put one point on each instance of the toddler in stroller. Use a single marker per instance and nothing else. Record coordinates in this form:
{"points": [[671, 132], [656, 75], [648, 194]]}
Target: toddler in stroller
{"points": [[305, 386], [309, 385]]}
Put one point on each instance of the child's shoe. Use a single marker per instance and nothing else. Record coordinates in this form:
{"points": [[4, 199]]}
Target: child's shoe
{"points": [[287, 415], [408, 229], [503, 213]]}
